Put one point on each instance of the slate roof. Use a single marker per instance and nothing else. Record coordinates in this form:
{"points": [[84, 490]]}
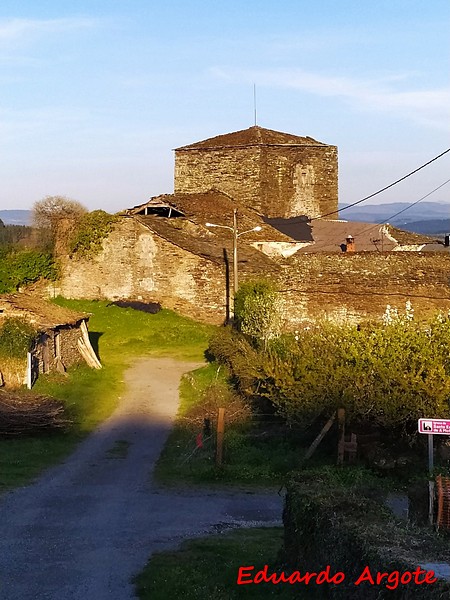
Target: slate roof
{"points": [[320, 235], [41, 313], [215, 207], [330, 235], [253, 136], [205, 243]]}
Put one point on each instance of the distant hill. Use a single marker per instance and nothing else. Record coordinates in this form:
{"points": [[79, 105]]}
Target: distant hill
{"points": [[425, 217], [427, 227], [16, 217]]}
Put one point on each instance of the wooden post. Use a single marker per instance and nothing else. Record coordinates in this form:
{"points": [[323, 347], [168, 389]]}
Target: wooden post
{"points": [[220, 433], [320, 437], [341, 440]]}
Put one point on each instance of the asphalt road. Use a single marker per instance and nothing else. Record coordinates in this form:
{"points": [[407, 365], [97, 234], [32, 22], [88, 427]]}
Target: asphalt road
{"points": [[88, 525]]}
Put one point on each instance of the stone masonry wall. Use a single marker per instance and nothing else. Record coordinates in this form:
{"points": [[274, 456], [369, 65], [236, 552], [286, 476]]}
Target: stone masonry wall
{"points": [[277, 181], [234, 171], [299, 181], [358, 287], [135, 264]]}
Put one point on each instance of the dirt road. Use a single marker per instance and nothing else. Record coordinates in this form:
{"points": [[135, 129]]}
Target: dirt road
{"points": [[87, 526]]}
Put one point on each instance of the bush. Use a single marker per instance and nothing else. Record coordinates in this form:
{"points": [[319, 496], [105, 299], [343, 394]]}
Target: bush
{"points": [[327, 523], [386, 375], [16, 337], [91, 232], [25, 267], [257, 310]]}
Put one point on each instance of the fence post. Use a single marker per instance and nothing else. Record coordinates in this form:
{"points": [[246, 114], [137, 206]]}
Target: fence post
{"points": [[220, 433], [341, 442]]}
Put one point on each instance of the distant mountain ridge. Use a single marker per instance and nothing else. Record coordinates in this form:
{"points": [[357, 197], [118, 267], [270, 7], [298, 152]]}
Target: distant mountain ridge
{"points": [[425, 217], [16, 217]]}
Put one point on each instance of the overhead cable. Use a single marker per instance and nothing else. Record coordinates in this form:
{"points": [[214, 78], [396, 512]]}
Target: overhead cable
{"points": [[383, 189]]}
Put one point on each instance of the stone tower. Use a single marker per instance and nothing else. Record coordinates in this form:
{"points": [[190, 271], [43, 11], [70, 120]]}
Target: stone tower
{"points": [[278, 174]]}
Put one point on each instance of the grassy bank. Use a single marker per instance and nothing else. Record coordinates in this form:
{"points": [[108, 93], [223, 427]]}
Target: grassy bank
{"points": [[208, 568], [257, 450], [119, 335]]}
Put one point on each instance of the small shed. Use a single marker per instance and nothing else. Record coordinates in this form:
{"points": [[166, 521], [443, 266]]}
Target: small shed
{"points": [[62, 337]]}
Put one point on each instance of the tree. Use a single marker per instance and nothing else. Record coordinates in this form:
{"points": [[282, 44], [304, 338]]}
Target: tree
{"points": [[54, 213]]}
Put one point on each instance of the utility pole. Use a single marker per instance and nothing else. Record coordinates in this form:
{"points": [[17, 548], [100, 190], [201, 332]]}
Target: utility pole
{"points": [[236, 236], [235, 256]]}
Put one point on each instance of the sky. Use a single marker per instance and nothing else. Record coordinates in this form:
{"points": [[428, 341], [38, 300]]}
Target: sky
{"points": [[96, 94]]}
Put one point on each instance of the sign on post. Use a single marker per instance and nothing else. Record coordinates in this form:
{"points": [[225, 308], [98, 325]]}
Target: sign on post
{"points": [[434, 426]]}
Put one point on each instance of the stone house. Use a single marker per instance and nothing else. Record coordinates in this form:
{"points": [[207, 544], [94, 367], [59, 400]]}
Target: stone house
{"points": [[62, 337], [163, 251]]}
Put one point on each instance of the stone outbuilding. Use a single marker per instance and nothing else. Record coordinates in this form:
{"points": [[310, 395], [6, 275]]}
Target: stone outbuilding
{"points": [[62, 338], [277, 174]]}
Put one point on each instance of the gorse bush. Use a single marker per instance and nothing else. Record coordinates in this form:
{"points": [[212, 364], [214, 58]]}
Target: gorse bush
{"points": [[16, 337], [385, 375]]}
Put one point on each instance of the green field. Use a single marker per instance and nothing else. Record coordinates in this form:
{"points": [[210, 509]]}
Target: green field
{"points": [[120, 335]]}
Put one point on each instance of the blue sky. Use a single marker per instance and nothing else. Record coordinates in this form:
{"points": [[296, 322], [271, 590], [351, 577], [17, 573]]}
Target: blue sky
{"points": [[94, 95]]}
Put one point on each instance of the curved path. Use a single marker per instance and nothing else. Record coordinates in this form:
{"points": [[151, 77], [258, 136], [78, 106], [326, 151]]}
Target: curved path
{"points": [[88, 525]]}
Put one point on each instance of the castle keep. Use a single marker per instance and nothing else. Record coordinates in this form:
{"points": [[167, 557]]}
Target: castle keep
{"points": [[277, 174]]}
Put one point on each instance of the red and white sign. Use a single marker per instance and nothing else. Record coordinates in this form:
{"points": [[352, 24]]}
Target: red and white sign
{"points": [[434, 426]]}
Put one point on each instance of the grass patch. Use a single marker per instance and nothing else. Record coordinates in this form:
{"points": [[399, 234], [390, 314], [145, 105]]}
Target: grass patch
{"points": [[255, 451], [208, 567], [118, 335]]}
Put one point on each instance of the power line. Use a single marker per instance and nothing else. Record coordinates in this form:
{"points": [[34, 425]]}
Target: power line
{"points": [[383, 189], [407, 208]]}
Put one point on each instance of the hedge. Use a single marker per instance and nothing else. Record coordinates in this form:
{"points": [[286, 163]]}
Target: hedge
{"points": [[326, 524]]}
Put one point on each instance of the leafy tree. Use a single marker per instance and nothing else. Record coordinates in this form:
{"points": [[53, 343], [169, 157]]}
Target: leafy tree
{"points": [[25, 267]]}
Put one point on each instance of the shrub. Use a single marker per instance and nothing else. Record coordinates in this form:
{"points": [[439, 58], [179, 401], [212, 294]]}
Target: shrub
{"points": [[257, 309], [327, 523], [16, 337], [25, 267], [385, 375], [91, 232]]}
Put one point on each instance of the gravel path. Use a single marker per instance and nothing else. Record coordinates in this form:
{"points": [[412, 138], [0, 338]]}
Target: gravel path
{"points": [[88, 525]]}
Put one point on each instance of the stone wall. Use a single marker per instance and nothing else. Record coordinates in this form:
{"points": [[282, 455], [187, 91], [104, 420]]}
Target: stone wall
{"points": [[234, 171], [355, 287], [277, 181], [299, 181], [136, 264]]}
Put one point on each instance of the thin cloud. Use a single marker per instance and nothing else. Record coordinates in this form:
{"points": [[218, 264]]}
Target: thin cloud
{"points": [[13, 30], [430, 107]]}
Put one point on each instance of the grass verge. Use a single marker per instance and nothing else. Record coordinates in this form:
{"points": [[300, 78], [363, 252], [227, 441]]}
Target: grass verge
{"points": [[207, 568], [257, 450], [119, 335]]}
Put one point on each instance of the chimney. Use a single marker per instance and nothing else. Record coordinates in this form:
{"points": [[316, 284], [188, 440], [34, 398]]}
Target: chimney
{"points": [[350, 244]]}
